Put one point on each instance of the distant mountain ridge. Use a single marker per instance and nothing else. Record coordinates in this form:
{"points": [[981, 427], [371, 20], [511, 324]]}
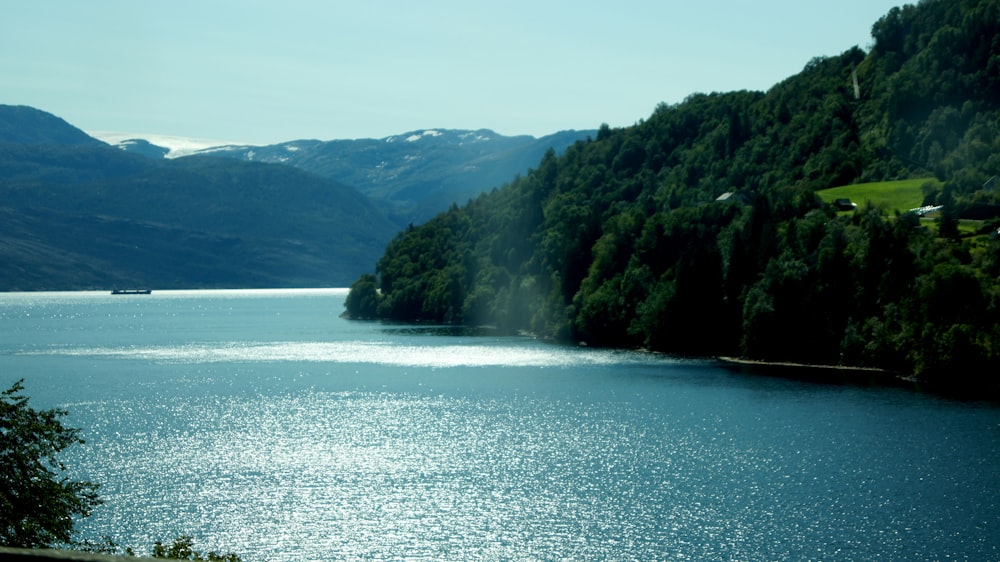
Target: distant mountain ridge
{"points": [[22, 124], [417, 173], [84, 213], [158, 145], [76, 213]]}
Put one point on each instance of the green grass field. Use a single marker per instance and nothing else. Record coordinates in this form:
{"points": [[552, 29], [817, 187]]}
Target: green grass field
{"points": [[891, 196]]}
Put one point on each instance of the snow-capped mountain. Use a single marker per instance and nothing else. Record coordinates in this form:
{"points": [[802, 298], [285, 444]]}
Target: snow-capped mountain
{"points": [[76, 213], [419, 173], [160, 146]]}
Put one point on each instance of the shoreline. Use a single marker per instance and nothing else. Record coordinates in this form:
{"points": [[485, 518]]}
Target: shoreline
{"points": [[962, 390], [848, 368]]}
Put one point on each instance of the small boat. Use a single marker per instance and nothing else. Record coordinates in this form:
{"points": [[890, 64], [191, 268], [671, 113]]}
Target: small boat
{"points": [[131, 292]]}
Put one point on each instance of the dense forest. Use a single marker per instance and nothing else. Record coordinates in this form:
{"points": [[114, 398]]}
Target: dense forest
{"points": [[698, 231]]}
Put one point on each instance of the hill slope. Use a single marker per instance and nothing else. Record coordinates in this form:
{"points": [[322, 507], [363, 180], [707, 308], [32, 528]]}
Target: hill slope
{"points": [[86, 216], [26, 125]]}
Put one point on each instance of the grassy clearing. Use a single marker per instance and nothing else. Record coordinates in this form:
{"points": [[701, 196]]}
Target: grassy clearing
{"points": [[890, 196], [968, 227]]}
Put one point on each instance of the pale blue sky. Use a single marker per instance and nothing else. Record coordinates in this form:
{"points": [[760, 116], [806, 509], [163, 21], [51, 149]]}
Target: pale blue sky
{"points": [[270, 71]]}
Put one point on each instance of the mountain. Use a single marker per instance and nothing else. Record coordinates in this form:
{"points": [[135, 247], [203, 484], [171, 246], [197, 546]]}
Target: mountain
{"points": [[79, 214], [418, 174], [157, 145], [27, 125], [143, 147], [699, 231]]}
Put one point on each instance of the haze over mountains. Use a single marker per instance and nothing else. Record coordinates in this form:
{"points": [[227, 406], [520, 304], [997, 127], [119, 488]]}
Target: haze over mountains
{"points": [[80, 214]]}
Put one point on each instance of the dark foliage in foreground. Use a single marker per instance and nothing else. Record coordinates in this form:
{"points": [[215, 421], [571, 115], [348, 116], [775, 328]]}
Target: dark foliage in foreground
{"points": [[38, 502]]}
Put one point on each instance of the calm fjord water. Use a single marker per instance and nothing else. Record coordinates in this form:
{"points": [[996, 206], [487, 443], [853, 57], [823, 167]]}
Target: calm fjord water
{"points": [[262, 423]]}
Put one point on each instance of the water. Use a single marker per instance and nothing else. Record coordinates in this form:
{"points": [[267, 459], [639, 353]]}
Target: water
{"points": [[263, 424]]}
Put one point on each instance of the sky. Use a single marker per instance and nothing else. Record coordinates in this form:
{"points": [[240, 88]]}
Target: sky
{"points": [[264, 72]]}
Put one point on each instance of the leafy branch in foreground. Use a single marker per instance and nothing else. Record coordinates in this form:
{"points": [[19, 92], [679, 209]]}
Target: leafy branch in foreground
{"points": [[183, 549], [38, 502]]}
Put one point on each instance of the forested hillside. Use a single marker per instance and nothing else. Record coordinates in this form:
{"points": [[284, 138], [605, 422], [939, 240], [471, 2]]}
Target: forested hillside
{"points": [[698, 230]]}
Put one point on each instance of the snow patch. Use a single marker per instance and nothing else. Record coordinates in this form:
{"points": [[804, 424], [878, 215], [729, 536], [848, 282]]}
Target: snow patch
{"points": [[176, 146], [475, 136], [422, 134]]}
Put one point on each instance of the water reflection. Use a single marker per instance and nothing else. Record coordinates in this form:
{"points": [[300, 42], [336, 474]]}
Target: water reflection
{"points": [[269, 426], [440, 331]]}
